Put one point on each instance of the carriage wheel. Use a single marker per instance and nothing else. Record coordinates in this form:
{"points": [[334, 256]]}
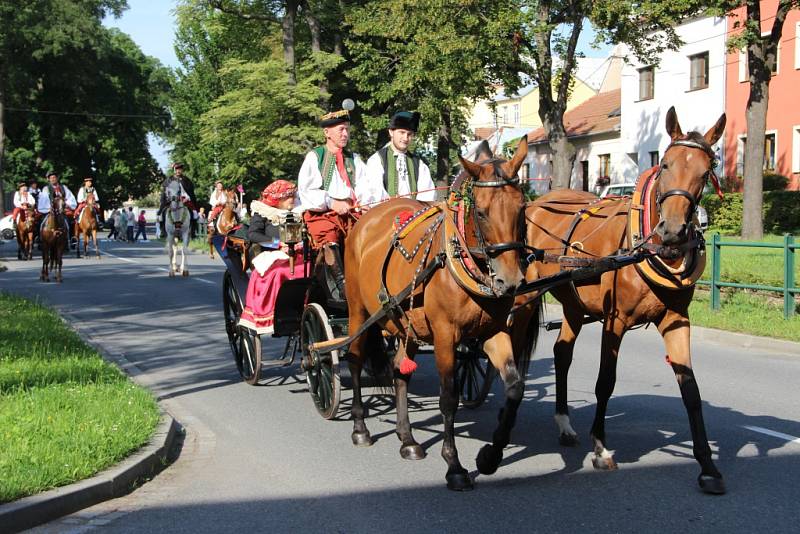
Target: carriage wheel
{"points": [[474, 373], [322, 370], [245, 344]]}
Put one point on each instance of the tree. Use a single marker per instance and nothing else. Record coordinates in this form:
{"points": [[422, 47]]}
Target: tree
{"points": [[432, 56], [762, 53], [77, 97]]}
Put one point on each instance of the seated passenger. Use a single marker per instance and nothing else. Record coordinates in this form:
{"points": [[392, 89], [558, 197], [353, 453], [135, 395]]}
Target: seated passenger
{"points": [[271, 267]]}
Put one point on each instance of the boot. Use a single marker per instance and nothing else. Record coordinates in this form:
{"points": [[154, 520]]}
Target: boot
{"points": [[333, 260]]}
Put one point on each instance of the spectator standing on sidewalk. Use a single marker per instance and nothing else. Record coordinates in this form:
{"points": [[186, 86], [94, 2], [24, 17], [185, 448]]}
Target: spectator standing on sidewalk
{"points": [[131, 221], [202, 230], [141, 228], [113, 221]]}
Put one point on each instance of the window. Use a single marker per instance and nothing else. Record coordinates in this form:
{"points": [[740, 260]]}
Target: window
{"points": [[634, 157], [740, 146], [744, 67], [646, 83], [698, 71], [504, 115], [654, 159], [515, 114], [796, 149], [770, 142], [797, 45], [605, 165]]}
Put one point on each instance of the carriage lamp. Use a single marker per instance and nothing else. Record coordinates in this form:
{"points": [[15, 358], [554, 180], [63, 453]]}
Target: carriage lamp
{"points": [[291, 233]]}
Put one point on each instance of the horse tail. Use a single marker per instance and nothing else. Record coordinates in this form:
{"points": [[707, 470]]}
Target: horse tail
{"points": [[531, 334], [379, 362]]}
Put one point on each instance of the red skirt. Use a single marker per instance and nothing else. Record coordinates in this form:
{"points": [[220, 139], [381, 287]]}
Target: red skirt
{"points": [[262, 293]]}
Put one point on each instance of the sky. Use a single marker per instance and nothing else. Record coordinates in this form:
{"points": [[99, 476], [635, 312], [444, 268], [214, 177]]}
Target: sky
{"points": [[151, 24]]}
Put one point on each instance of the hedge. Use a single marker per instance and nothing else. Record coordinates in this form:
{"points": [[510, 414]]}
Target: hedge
{"points": [[781, 211]]}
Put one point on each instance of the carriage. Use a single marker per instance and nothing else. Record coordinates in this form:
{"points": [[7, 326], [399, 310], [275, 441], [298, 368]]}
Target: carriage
{"points": [[308, 313]]}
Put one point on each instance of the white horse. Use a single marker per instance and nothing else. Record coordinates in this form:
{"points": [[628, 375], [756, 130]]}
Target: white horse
{"points": [[177, 223]]}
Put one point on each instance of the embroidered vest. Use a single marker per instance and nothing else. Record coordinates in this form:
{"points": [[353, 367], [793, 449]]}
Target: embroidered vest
{"points": [[390, 171], [327, 164]]}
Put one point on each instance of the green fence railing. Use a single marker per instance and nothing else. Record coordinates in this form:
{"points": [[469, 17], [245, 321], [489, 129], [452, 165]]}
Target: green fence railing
{"points": [[789, 289]]}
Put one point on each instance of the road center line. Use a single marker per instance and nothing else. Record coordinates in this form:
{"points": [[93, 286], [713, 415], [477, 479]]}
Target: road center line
{"points": [[774, 434], [160, 269]]}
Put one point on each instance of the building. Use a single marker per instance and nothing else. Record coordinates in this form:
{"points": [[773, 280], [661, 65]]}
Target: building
{"points": [[692, 79], [782, 147], [593, 128]]}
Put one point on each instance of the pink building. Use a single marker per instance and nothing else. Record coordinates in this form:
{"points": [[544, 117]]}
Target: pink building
{"points": [[782, 150]]}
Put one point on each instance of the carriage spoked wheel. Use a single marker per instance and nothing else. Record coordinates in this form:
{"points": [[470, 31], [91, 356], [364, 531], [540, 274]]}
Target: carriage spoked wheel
{"points": [[475, 374], [322, 369], [245, 344]]}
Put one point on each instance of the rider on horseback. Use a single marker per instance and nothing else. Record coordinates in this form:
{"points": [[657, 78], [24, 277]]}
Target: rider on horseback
{"points": [[83, 193], [187, 194], [53, 190], [217, 200], [23, 200]]}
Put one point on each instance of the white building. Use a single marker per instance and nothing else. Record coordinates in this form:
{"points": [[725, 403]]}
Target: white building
{"points": [[692, 79]]}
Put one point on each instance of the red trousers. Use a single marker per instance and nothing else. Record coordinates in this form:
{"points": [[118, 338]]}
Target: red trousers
{"points": [[216, 210], [328, 226]]}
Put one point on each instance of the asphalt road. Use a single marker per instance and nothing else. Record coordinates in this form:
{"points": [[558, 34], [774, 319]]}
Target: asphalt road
{"points": [[260, 458]]}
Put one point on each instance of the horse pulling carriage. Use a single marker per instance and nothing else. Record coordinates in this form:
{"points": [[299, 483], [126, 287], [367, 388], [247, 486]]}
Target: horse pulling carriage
{"points": [[471, 269], [307, 312]]}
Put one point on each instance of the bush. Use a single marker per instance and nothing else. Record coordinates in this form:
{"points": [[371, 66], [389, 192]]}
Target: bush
{"points": [[775, 182], [781, 212]]}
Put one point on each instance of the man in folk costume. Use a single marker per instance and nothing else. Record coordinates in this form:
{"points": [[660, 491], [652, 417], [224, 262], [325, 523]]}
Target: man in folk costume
{"points": [[23, 200], [186, 195], [33, 189], [395, 170], [55, 189], [326, 186], [83, 193]]}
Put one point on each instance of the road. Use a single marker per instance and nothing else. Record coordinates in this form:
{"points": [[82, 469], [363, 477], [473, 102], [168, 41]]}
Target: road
{"points": [[261, 458]]}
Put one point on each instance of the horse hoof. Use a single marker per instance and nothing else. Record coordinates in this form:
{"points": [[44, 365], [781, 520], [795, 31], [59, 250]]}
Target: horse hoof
{"points": [[489, 459], [361, 439], [185, 274], [711, 485], [604, 464], [459, 481], [171, 274], [568, 440], [412, 452]]}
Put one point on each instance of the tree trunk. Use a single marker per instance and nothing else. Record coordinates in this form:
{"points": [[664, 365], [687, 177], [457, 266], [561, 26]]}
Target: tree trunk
{"points": [[287, 25], [2, 148], [443, 148], [563, 158], [314, 28]]}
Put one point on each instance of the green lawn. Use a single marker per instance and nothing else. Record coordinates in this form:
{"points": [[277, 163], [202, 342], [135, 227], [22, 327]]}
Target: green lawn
{"points": [[65, 413], [751, 265], [744, 312]]}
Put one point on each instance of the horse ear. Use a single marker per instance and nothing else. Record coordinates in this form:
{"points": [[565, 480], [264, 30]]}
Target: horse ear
{"points": [[483, 151], [673, 126], [519, 156], [473, 169], [713, 135]]}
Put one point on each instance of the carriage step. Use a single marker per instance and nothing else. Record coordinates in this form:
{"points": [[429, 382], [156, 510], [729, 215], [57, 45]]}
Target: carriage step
{"points": [[325, 346]]}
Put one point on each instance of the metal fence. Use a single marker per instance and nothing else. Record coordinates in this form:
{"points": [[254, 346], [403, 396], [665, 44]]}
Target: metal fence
{"points": [[788, 289]]}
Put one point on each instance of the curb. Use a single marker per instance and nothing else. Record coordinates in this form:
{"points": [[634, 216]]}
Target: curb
{"points": [[114, 482]]}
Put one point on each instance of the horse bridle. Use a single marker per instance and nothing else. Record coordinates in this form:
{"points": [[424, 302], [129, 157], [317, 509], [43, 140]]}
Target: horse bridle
{"points": [[693, 200]]}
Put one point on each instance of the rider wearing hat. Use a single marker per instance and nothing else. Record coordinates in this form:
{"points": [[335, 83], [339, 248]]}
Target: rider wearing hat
{"points": [[33, 189], [187, 192], [83, 192], [55, 189], [325, 185], [394, 170], [23, 200]]}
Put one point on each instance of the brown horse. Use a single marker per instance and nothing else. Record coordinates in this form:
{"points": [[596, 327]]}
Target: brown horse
{"points": [[25, 232], [86, 224], [659, 291], [54, 240], [442, 310], [225, 221]]}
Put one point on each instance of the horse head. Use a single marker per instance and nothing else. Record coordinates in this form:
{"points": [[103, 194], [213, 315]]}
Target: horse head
{"points": [[495, 200], [174, 195], [687, 164]]}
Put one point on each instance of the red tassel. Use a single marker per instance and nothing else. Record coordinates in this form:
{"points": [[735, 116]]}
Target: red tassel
{"points": [[408, 366]]}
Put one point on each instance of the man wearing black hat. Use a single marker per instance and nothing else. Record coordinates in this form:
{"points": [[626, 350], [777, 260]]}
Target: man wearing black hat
{"points": [[33, 188], [394, 170], [326, 187], [54, 189], [187, 187]]}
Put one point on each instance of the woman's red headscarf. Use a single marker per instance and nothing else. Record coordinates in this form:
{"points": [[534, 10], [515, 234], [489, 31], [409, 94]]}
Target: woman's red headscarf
{"points": [[277, 191]]}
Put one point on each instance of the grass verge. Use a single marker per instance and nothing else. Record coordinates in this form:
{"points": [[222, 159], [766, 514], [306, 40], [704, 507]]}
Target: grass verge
{"points": [[65, 414]]}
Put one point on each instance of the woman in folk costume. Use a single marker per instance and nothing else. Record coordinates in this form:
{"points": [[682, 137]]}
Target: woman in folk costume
{"points": [[271, 267], [217, 200]]}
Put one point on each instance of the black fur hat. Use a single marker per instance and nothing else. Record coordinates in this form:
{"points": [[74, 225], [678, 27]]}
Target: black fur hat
{"points": [[406, 120]]}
